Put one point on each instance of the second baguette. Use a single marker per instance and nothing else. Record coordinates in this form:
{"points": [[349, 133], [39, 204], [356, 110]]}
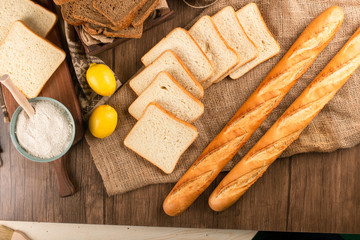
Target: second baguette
{"points": [[289, 126]]}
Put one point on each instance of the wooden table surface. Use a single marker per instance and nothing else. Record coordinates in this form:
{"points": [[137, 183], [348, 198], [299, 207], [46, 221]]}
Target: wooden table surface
{"points": [[316, 192]]}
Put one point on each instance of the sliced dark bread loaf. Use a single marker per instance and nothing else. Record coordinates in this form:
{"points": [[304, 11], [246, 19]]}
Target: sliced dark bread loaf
{"points": [[67, 10], [84, 10], [61, 2], [119, 12], [93, 29], [124, 26], [144, 12], [129, 32]]}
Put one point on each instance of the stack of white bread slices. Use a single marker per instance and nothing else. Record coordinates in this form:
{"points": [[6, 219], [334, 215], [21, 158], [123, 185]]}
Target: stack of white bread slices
{"points": [[177, 70]]}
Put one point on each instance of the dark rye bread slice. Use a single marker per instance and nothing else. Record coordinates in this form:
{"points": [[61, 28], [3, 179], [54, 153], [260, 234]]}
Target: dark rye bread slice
{"points": [[67, 10], [144, 12], [93, 29], [61, 2], [120, 27], [119, 12], [129, 32], [84, 10]]}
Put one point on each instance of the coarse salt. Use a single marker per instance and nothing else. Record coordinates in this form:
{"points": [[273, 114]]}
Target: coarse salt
{"points": [[48, 133]]}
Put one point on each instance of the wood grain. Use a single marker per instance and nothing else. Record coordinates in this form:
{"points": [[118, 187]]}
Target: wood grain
{"points": [[308, 192], [324, 192]]}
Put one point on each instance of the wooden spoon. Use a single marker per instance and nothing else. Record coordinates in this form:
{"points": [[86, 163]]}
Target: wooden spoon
{"points": [[19, 96]]}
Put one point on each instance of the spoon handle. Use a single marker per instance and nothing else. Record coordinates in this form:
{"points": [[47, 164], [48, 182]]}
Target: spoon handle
{"points": [[19, 96]]}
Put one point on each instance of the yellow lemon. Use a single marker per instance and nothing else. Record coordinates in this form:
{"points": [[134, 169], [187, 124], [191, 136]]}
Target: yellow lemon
{"points": [[103, 121], [101, 79]]}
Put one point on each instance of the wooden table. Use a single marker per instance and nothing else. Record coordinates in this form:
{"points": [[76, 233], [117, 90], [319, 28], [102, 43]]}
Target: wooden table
{"points": [[310, 192]]}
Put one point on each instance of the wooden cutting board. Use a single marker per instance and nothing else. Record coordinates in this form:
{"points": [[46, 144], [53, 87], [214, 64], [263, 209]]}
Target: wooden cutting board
{"points": [[60, 87]]}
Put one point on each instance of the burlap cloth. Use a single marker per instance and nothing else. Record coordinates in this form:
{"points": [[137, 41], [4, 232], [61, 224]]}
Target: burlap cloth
{"points": [[337, 126]]}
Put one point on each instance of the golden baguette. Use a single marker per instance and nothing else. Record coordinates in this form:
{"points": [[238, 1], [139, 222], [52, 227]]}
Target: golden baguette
{"points": [[254, 111], [289, 126]]}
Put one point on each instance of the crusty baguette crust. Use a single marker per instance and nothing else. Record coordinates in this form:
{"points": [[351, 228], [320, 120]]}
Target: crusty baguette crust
{"points": [[289, 126], [171, 116], [250, 59], [44, 39], [175, 29], [233, 74], [254, 111], [181, 88], [182, 64]]}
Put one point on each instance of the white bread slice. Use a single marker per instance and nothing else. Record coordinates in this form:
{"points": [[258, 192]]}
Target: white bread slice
{"points": [[167, 92], [28, 59], [39, 19], [160, 137], [222, 57], [183, 45], [171, 63], [231, 30], [251, 20]]}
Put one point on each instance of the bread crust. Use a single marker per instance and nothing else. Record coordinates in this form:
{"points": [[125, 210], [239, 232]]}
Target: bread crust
{"points": [[125, 33], [254, 111], [182, 64], [93, 30], [44, 39], [61, 2], [289, 126], [181, 88], [186, 32], [233, 76], [171, 116]]}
